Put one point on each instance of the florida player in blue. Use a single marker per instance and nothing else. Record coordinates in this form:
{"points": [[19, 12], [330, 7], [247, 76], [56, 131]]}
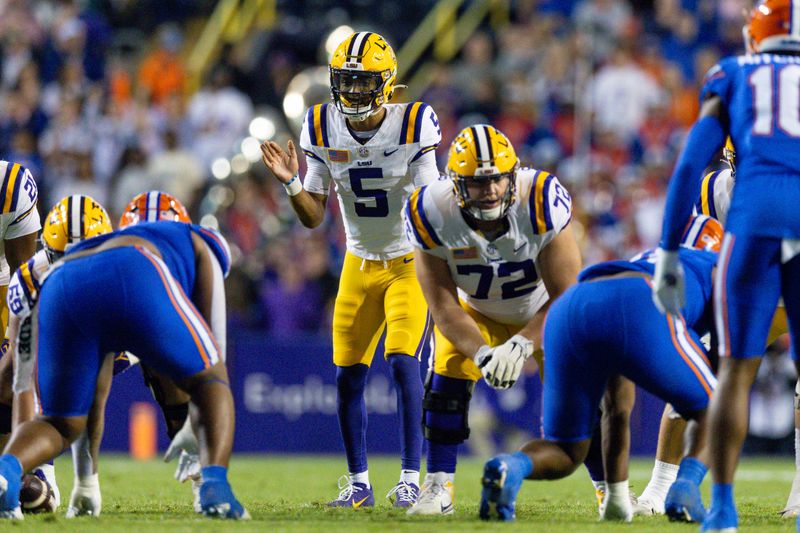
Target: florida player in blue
{"points": [[127, 291], [606, 326], [756, 100]]}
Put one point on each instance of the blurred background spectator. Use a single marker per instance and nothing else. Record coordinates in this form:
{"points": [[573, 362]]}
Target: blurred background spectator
{"points": [[106, 97]]}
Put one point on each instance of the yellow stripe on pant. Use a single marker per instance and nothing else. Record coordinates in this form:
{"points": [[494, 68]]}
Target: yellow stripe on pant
{"points": [[374, 296]]}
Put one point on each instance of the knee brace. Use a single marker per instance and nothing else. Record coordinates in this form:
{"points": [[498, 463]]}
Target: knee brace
{"points": [[446, 406]]}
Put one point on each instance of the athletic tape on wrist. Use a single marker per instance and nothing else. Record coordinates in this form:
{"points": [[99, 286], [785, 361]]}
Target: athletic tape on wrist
{"points": [[294, 186]]}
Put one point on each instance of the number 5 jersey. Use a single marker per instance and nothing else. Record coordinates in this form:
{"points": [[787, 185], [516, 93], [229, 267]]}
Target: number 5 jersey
{"points": [[372, 179]]}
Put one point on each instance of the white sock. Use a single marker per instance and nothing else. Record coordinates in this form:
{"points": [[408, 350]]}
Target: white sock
{"points": [[410, 476], [664, 475], [441, 475], [599, 485], [361, 477]]}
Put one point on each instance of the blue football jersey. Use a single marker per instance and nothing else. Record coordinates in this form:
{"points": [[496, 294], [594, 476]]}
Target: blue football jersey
{"points": [[761, 94], [174, 243], [698, 266]]}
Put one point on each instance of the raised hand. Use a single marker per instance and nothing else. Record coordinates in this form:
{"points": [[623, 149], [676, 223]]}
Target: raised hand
{"points": [[283, 164]]}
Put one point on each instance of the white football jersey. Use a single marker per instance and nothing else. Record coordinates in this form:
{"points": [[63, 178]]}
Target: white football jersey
{"points": [[715, 195], [372, 180], [497, 278], [23, 291], [18, 214]]}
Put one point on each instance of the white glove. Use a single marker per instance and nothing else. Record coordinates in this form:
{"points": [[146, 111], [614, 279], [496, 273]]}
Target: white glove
{"points": [[502, 365], [668, 282], [85, 499], [184, 440], [188, 467]]}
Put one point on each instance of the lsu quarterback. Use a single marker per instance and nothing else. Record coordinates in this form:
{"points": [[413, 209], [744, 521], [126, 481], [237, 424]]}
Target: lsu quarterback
{"points": [[376, 153], [753, 99], [19, 226], [493, 247]]}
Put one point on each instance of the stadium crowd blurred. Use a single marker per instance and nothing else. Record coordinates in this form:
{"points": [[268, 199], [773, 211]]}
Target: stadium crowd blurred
{"points": [[95, 100]]}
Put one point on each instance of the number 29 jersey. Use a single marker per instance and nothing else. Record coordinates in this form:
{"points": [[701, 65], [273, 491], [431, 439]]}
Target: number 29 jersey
{"points": [[498, 278], [761, 95], [372, 180]]}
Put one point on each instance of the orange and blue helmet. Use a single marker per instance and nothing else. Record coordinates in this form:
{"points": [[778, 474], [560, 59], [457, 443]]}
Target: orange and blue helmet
{"points": [[154, 206], [703, 233]]}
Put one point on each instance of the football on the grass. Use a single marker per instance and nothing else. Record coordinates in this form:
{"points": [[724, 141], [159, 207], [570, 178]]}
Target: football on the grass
{"points": [[36, 495]]}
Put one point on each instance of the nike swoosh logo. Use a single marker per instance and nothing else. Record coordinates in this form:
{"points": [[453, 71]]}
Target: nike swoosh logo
{"points": [[407, 260], [356, 505], [521, 247], [446, 508], [387, 153]]}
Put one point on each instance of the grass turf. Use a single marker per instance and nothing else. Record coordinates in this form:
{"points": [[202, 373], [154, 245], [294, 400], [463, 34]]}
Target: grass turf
{"points": [[287, 493]]}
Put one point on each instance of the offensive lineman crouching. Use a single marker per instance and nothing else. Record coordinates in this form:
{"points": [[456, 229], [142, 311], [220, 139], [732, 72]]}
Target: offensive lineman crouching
{"points": [[494, 245]]}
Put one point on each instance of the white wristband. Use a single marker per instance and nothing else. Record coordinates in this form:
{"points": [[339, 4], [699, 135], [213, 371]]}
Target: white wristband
{"points": [[294, 187]]}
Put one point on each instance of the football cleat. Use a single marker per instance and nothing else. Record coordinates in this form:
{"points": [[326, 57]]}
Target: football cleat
{"points": [[599, 495], [403, 494], [500, 487], [10, 484], [354, 495], [648, 507], [683, 502], [436, 496], [792, 508], [792, 511], [217, 501], [721, 519], [154, 206]]}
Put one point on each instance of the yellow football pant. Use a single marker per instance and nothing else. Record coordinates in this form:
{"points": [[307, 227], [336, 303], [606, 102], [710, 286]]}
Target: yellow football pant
{"points": [[374, 295]]}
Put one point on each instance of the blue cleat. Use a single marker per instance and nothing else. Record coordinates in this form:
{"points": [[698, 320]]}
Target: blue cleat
{"points": [[10, 484], [684, 503], [500, 487], [217, 501], [722, 519], [353, 495]]}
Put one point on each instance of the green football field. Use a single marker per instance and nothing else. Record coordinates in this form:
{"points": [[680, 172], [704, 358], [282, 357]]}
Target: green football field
{"points": [[287, 493]]}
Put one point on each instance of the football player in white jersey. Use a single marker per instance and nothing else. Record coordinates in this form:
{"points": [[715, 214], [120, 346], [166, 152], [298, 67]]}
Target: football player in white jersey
{"points": [[494, 246], [375, 153], [19, 226]]}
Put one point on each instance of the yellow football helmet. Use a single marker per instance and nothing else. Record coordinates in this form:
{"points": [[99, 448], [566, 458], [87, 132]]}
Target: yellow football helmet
{"points": [[478, 155], [729, 153], [71, 220], [363, 73]]}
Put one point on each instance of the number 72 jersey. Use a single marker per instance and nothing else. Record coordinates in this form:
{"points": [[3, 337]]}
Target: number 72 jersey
{"points": [[499, 278], [373, 179]]}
